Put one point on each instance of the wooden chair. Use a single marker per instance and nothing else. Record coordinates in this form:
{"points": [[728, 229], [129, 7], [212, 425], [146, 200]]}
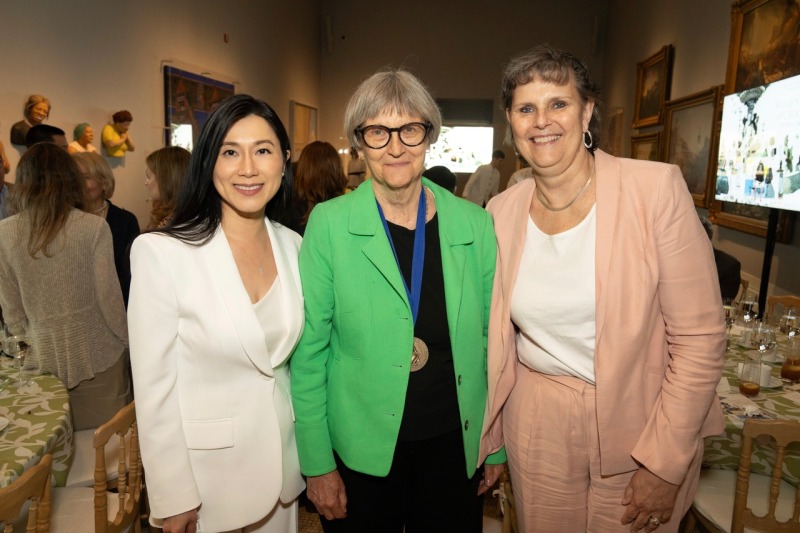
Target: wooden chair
{"points": [[743, 284], [81, 473], [730, 501], [34, 486], [785, 301], [97, 509]]}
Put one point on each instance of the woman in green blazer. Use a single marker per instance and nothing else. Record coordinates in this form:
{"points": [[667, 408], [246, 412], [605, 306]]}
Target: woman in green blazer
{"points": [[389, 399]]}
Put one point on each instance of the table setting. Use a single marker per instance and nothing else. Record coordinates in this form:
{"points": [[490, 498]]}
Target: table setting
{"points": [[760, 379]]}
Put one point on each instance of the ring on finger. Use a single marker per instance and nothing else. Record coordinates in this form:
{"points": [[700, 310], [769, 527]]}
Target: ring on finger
{"points": [[653, 521]]}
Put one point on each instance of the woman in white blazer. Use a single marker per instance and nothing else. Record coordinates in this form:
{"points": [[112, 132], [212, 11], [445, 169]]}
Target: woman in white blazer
{"points": [[215, 311]]}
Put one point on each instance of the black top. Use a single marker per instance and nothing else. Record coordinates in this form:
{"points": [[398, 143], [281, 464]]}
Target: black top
{"points": [[124, 228], [431, 407], [729, 271]]}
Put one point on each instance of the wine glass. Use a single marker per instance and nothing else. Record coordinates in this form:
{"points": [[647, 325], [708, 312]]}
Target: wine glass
{"points": [[731, 311], [763, 338], [16, 345], [748, 310], [790, 322]]}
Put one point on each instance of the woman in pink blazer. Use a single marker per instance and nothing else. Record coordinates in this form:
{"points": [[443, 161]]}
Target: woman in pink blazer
{"points": [[606, 335]]}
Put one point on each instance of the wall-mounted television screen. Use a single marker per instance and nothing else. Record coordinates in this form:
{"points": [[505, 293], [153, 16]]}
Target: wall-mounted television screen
{"points": [[759, 146]]}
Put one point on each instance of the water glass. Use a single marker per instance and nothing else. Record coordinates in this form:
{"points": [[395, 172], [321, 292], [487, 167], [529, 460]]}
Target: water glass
{"points": [[16, 345], [790, 322], [762, 338], [750, 378], [731, 310]]}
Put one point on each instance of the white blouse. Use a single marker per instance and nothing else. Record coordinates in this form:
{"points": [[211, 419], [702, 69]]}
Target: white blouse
{"points": [[270, 314], [553, 302]]}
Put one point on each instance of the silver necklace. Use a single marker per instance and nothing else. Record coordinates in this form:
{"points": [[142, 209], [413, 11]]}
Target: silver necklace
{"points": [[547, 205]]}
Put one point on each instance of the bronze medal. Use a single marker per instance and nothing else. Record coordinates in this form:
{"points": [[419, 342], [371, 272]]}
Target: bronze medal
{"points": [[419, 354]]}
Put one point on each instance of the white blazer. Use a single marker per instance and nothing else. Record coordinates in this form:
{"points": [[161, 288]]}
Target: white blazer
{"points": [[213, 405]]}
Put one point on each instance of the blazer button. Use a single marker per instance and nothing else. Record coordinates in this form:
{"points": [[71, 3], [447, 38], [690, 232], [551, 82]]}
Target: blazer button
{"points": [[459, 379], [466, 425]]}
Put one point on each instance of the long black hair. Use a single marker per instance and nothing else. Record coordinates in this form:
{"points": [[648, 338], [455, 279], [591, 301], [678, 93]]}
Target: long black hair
{"points": [[199, 209]]}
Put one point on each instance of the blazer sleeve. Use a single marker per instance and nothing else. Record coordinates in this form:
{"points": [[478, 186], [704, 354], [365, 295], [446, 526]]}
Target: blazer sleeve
{"points": [[107, 288], [153, 319], [310, 359], [689, 298]]}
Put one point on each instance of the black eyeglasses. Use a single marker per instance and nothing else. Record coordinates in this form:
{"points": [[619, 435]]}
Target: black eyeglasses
{"points": [[411, 134]]}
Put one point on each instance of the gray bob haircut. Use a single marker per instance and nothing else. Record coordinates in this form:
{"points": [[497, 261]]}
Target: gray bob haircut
{"points": [[549, 64], [391, 90]]}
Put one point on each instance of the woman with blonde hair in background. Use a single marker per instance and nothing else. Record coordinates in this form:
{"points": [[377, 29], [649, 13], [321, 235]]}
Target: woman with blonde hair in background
{"points": [[100, 185], [164, 175]]}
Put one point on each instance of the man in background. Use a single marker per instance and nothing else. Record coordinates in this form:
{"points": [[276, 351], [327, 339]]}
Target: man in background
{"points": [[729, 269], [485, 181]]}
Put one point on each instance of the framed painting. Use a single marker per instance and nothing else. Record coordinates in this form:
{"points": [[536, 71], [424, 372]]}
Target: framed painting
{"points": [[764, 45], [750, 219], [188, 101], [690, 140], [653, 82], [302, 127], [646, 147]]}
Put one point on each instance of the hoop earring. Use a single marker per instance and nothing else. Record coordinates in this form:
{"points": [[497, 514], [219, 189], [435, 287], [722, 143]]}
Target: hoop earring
{"points": [[588, 144]]}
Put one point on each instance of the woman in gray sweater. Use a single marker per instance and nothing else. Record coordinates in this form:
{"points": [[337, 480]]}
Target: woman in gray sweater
{"points": [[57, 279]]}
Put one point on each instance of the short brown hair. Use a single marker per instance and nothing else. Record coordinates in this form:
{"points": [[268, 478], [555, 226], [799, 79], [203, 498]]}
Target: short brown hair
{"points": [[122, 116]]}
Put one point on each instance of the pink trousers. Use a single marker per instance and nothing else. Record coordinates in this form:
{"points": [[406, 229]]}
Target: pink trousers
{"points": [[550, 428]]}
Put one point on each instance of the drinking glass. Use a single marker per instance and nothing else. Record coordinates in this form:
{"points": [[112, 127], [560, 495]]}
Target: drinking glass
{"points": [[790, 370], [750, 377], [748, 307], [731, 311], [16, 345], [762, 338], [790, 322]]}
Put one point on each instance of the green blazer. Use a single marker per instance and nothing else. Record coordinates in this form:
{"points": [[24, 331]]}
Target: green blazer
{"points": [[350, 370]]}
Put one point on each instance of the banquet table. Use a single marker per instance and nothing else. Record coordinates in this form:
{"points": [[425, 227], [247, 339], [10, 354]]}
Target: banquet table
{"points": [[39, 423], [781, 400]]}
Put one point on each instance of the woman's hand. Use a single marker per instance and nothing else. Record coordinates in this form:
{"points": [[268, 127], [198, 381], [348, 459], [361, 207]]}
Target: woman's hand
{"points": [[181, 523], [327, 493], [491, 473], [649, 501]]}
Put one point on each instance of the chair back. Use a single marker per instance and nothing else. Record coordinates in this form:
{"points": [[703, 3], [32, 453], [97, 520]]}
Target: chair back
{"points": [[33, 485], [785, 301], [129, 482], [784, 432]]}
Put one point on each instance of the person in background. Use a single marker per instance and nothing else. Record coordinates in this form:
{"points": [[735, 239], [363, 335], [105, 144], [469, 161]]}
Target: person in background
{"points": [[36, 111], [606, 336], [729, 269], [100, 184], [82, 139], [443, 177], [356, 169], [485, 181], [45, 133], [57, 278], [319, 177], [164, 176], [116, 136], [5, 168], [215, 311], [389, 377]]}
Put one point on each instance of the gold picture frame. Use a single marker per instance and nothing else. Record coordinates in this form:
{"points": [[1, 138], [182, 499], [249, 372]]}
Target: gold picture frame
{"points": [[763, 46], [653, 83], [691, 136], [646, 147]]}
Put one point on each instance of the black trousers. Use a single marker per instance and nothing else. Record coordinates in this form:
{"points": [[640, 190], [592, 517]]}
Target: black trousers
{"points": [[426, 490]]}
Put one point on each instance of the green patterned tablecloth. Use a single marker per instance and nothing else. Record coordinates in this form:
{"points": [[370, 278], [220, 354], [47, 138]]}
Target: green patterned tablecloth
{"points": [[780, 402], [39, 422]]}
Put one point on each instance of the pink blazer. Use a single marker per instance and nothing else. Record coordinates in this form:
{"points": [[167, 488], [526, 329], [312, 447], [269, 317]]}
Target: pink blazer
{"points": [[660, 333]]}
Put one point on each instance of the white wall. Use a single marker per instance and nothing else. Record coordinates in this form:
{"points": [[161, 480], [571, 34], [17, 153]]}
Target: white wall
{"points": [[93, 58], [700, 32]]}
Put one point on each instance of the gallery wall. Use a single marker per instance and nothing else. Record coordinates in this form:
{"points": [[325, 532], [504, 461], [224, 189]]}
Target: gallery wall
{"points": [[700, 33], [93, 58]]}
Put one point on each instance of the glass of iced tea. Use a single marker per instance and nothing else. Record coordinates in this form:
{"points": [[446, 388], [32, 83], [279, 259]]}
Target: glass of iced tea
{"points": [[790, 370], [749, 378]]}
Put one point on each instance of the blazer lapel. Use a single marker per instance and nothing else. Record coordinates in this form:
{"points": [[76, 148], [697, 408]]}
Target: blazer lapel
{"points": [[607, 205], [234, 296], [365, 220], [291, 295]]}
